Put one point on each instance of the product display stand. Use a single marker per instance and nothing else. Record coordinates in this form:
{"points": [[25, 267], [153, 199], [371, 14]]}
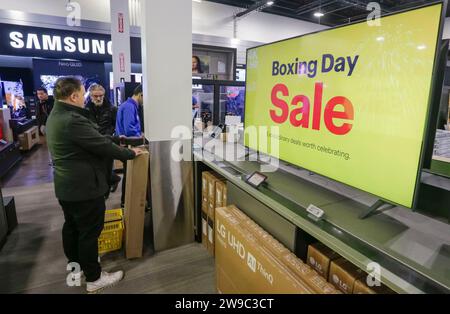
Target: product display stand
{"points": [[385, 238], [372, 210]]}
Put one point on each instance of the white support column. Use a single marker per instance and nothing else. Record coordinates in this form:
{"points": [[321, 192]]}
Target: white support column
{"points": [[166, 30], [120, 36], [166, 65]]}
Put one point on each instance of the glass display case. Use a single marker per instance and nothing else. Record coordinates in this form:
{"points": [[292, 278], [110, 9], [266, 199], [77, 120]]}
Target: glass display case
{"points": [[232, 102], [213, 100]]}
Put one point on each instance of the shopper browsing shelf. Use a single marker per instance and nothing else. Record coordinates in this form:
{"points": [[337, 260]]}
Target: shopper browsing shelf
{"points": [[103, 113], [128, 124], [79, 153]]}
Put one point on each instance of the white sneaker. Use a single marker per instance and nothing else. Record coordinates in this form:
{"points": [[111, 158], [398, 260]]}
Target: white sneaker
{"points": [[105, 280]]}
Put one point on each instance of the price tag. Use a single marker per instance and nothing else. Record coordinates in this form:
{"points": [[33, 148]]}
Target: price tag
{"points": [[315, 212]]}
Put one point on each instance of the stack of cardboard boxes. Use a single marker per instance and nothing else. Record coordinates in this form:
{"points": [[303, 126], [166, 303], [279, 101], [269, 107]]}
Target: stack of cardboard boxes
{"points": [[338, 271], [249, 260], [214, 194]]}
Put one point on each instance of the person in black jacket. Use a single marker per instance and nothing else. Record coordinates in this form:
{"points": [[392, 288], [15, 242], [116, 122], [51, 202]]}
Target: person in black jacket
{"points": [[79, 152], [44, 108], [103, 113]]}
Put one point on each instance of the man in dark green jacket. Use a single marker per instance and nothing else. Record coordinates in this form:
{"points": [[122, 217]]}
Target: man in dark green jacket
{"points": [[79, 155]]}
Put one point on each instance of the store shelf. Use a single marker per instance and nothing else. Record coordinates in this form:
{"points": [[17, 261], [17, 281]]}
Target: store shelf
{"points": [[441, 165], [387, 238]]}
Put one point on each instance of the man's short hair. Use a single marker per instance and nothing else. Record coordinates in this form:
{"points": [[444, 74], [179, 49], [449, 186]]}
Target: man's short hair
{"points": [[96, 86], [66, 86], [42, 89], [137, 90]]}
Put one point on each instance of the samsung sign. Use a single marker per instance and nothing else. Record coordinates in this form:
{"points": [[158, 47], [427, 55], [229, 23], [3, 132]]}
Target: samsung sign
{"points": [[57, 43], [60, 44]]}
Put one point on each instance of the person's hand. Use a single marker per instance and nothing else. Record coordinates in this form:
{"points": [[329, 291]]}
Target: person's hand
{"points": [[137, 151]]}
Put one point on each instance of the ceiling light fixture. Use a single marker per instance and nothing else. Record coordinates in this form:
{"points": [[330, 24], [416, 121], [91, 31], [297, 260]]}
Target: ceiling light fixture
{"points": [[235, 41], [318, 14], [269, 3]]}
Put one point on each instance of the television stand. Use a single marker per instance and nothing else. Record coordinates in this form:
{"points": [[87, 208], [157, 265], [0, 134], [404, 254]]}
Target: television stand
{"points": [[373, 210]]}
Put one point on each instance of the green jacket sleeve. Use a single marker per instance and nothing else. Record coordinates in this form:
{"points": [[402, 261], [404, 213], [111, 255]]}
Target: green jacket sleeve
{"points": [[87, 137]]}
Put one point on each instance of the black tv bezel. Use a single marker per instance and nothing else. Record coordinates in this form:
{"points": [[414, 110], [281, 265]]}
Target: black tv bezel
{"points": [[428, 120]]}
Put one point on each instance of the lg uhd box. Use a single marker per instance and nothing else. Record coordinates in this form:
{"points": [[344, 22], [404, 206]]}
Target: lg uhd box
{"points": [[248, 265], [344, 274], [320, 258]]}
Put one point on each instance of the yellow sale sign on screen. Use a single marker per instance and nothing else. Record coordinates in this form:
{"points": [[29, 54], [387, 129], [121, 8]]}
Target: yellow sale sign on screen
{"points": [[351, 103]]}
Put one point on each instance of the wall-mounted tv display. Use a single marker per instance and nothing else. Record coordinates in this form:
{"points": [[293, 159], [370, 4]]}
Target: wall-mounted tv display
{"points": [[14, 94], [48, 81], [351, 103]]}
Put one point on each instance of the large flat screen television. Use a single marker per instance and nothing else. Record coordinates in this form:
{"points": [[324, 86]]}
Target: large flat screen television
{"points": [[351, 103]]}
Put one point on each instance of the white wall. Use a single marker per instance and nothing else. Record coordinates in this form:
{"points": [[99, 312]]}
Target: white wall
{"points": [[95, 10]]}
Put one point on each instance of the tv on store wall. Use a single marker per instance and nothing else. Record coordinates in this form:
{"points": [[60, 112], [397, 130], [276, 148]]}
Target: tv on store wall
{"points": [[351, 103]]}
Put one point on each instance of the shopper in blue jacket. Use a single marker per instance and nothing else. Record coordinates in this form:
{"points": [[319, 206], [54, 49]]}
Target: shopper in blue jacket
{"points": [[128, 122]]}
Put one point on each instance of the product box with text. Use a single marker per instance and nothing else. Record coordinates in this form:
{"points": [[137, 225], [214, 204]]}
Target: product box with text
{"points": [[344, 274], [249, 267], [279, 251], [212, 180], [320, 257]]}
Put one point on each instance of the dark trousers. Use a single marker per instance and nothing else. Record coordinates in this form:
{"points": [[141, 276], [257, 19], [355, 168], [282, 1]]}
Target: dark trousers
{"points": [[83, 224]]}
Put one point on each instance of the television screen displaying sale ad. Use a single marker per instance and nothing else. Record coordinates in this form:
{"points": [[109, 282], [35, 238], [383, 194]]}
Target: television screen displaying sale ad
{"points": [[349, 103]]}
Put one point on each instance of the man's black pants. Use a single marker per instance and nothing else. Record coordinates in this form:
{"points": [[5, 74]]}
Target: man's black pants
{"points": [[83, 224]]}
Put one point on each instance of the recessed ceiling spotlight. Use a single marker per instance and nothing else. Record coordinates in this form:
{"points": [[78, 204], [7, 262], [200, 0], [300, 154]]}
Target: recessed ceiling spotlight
{"points": [[269, 3], [318, 14]]}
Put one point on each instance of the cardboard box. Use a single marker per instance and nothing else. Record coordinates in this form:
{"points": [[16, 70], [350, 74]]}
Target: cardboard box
{"points": [[304, 272], [135, 199], [204, 213], [344, 274], [29, 138], [205, 229], [361, 288], [249, 266], [275, 247], [211, 235], [224, 284], [320, 257], [118, 165], [212, 181], [205, 176], [308, 275], [221, 194]]}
